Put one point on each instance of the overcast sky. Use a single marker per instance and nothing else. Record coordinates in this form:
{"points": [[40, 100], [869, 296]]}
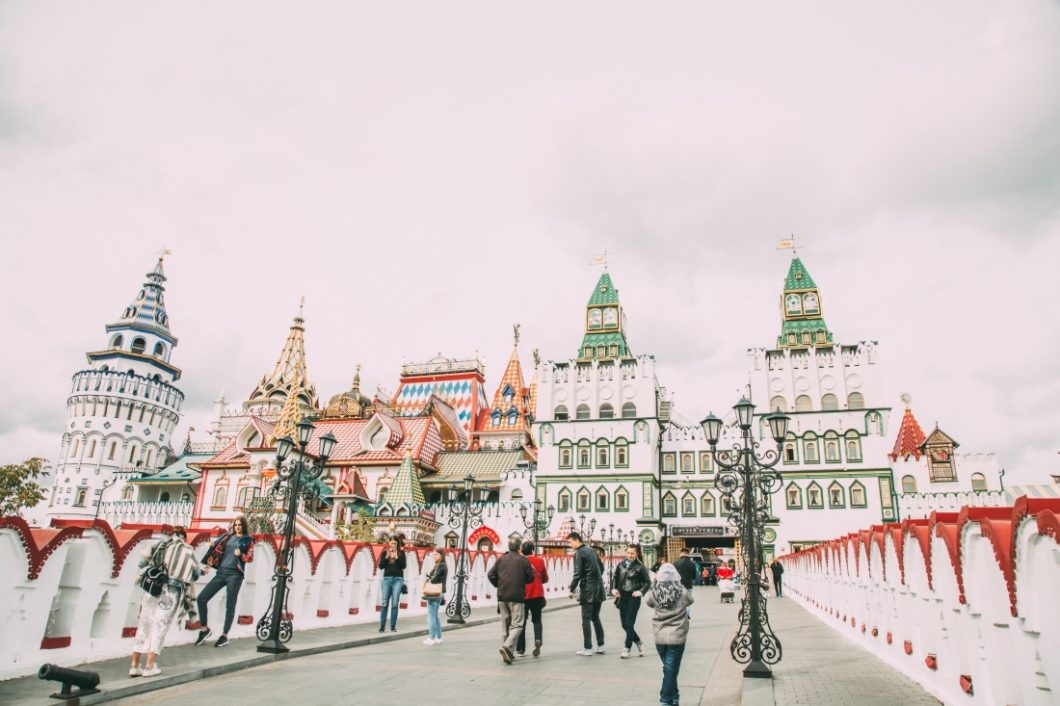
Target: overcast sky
{"points": [[427, 174]]}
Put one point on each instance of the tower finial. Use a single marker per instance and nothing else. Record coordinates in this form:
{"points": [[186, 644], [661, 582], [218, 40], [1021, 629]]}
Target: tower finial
{"points": [[600, 259], [515, 331]]}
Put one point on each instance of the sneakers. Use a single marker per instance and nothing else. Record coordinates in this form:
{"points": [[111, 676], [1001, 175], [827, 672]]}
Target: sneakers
{"points": [[430, 641], [221, 641], [600, 649], [393, 629], [152, 672], [520, 654], [537, 647], [506, 655], [624, 655], [135, 672], [584, 652], [204, 635], [640, 648]]}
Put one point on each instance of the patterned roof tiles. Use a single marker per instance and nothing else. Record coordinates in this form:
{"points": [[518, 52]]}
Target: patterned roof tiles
{"points": [[910, 438], [406, 488], [483, 465], [148, 310]]}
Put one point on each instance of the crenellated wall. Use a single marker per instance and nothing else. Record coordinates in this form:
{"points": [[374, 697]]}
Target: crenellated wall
{"points": [[964, 603], [70, 594]]}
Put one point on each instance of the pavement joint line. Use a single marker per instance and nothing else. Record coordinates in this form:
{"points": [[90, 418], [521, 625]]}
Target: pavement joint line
{"points": [[139, 687]]}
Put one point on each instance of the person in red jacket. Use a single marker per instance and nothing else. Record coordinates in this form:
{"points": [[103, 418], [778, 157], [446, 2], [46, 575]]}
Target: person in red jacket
{"points": [[535, 600]]}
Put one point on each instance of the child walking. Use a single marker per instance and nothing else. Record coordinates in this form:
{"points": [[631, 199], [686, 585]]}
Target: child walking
{"points": [[670, 600]]}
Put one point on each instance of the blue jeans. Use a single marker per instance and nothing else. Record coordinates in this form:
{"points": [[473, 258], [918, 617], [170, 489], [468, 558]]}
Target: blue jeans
{"points": [[434, 625], [390, 595], [671, 659]]}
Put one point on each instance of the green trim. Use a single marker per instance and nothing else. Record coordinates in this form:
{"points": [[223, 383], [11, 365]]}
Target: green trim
{"points": [[564, 492], [812, 485], [672, 456], [706, 467], [864, 494], [663, 501], [621, 489], [596, 499], [682, 455], [713, 505], [648, 498], [602, 445], [577, 500], [837, 473], [843, 495], [787, 501], [621, 444], [689, 495], [588, 449]]}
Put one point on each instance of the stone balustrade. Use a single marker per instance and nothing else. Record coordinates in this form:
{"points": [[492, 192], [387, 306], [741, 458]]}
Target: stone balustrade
{"points": [[964, 603], [119, 513], [70, 593]]}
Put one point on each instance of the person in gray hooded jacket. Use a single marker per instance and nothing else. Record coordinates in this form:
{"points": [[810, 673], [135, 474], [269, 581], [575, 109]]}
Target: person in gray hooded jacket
{"points": [[670, 600]]}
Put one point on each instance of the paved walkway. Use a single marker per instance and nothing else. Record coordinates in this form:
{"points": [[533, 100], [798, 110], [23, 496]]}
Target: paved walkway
{"points": [[357, 665]]}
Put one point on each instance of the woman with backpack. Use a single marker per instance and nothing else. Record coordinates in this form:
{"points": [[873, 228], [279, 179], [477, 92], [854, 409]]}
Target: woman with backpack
{"points": [[167, 575], [229, 554]]}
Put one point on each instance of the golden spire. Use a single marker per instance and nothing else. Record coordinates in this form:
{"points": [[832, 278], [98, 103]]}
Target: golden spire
{"points": [[290, 415], [289, 375]]}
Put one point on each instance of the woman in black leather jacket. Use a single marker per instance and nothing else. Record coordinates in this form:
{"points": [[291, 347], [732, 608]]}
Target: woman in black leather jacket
{"points": [[631, 581]]}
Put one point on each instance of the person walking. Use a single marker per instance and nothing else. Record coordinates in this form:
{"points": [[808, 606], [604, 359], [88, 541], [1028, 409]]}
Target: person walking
{"points": [[435, 582], [631, 582], [511, 574], [175, 595], [229, 554], [686, 568], [778, 573], [535, 601], [392, 564], [587, 585], [671, 601]]}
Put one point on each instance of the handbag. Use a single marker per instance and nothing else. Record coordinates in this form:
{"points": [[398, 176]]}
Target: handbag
{"points": [[404, 588], [155, 577], [431, 590]]}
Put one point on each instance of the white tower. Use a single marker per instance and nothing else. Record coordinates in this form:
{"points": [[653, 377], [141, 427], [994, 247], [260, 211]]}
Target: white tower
{"points": [[121, 410]]}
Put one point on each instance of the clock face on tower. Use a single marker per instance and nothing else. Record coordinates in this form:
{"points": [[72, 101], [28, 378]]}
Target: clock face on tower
{"points": [[594, 318], [794, 304], [810, 302], [610, 317]]}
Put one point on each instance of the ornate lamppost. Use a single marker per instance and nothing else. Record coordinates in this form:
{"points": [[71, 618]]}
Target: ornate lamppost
{"points": [[611, 538], [539, 523], [459, 609], [747, 483], [586, 531], [275, 627]]}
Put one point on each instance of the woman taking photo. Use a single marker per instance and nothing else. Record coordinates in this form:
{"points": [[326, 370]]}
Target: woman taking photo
{"points": [[392, 564]]}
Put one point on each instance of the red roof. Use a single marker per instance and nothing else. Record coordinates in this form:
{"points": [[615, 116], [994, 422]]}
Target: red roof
{"points": [[910, 437]]}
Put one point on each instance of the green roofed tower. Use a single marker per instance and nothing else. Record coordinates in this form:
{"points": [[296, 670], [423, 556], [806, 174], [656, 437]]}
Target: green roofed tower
{"points": [[800, 306], [605, 324], [406, 488]]}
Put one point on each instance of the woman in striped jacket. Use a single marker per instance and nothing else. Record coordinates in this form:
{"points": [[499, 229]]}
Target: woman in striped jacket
{"points": [[158, 613]]}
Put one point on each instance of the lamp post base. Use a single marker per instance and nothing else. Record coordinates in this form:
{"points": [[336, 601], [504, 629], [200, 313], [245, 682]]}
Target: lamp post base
{"points": [[757, 670], [456, 619], [273, 646]]}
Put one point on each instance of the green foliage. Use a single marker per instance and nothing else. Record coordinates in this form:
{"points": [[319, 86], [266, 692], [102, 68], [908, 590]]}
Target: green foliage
{"points": [[18, 487], [359, 529]]}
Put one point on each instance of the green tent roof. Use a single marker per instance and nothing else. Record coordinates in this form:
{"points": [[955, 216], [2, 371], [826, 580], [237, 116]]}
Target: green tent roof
{"points": [[605, 292], [179, 472], [406, 489], [798, 277]]}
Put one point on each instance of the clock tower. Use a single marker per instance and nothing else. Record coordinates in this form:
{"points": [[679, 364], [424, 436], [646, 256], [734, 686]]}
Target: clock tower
{"points": [[605, 324]]}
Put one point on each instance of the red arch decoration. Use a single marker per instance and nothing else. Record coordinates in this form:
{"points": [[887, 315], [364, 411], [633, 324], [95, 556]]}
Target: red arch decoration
{"points": [[481, 532]]}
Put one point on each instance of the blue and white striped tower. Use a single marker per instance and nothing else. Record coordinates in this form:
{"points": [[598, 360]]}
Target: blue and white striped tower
{"points": [[122, 409]]}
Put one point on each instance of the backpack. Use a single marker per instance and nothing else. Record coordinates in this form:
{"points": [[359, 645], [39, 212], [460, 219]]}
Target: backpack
{"points": [[155, 577]]}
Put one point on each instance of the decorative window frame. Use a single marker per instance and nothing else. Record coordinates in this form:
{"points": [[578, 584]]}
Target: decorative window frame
{"points": [[588, 495], [669, 496], [851, 436], [584, 447], [621, 491], [566, 448], [602, 490], [686, 499], [688, 462], [706, 462], [831, 437], [564, 500], [858, 485], [604, 448], [621, 445], [708, 506], [787, 496], [842, 495], [670, 457], [814, 485]]}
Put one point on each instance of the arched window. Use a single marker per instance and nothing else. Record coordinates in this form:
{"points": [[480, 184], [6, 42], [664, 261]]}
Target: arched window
{"points": [[517, 494], [607, 411], [622, 454], [79, 499], [669, 504], [836, 495], [831, 447], [793, 304], [857, 495], [810, 304], [581, 412], [132, 454], [112, 450], [793, 495], [853, 447], [978, 482], [603, 500], [908, 484], [563, 501], [791, 449], [584, 500], [75, 448], [220, 496], [629, 410], [809, 448], [803, 404], [138, 345], [127, 492], [116, 341], [160, 350], [778, 403], [583, 454], [603, 454], [92, 449], [855, 400], [164, 497], [561, 413], [241, 497], [566, 454], [829, 403]]}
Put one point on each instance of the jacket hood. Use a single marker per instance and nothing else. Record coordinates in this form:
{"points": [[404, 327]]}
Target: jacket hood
{"points": [[667, 588]]}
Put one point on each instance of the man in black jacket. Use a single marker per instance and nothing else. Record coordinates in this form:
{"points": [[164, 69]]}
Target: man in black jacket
{"points": [[687, 568], [510, 574], [588, 585], [631, 581]]}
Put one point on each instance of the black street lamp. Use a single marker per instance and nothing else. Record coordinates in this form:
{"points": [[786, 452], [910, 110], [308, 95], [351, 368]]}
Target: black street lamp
{"points": [[747, 482], [611, 538], [586, 531], [459, 609], [275, 627], [538, 523]]}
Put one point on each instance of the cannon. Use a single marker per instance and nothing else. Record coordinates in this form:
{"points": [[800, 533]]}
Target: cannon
{"points": [[69, 678]]}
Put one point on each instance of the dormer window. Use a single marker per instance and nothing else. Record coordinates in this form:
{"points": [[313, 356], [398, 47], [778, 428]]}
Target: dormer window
{"points": [[508, 394], [495, 416], [513, 416]]}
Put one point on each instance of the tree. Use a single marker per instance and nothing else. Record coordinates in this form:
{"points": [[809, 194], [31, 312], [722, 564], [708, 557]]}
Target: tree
{"points": [[358, 529], [18, 487]]}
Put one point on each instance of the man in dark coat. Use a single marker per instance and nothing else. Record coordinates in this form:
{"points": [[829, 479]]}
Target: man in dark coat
{"points": [[510, 574], [778, 573], [687, 568], [587, 585]]}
